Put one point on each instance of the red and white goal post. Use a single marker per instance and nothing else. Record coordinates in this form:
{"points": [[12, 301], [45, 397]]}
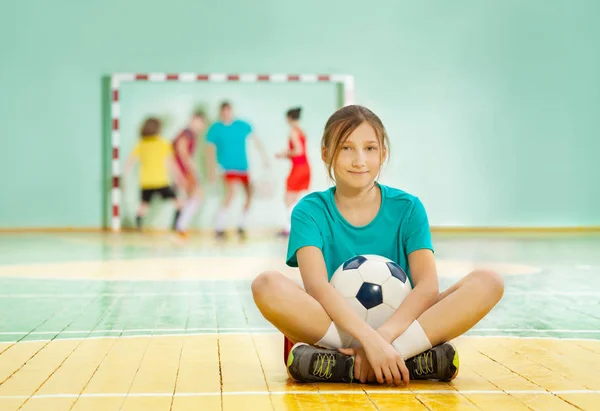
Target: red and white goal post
{"points": [[344, 80]]}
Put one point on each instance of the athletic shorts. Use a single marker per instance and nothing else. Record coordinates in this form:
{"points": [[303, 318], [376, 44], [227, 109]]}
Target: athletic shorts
{"points": [[299, 178], [163, 192], [233, 176]]}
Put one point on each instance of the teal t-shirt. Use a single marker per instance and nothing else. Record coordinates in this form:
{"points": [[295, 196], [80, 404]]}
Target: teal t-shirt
{"points": [[400, 227], [230, 141]]}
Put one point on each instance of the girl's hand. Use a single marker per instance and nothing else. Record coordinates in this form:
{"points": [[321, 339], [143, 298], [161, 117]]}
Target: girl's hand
{"points": [[363, 371], [387, 364]]}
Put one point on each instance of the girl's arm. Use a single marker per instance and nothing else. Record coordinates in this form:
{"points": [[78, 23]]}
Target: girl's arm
{"points": [[424, 294], [386, 362], [261, 149], [211, 161]]}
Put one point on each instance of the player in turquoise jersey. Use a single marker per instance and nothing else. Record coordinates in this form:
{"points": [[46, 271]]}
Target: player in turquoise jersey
{"points": [[227, 147], [360, 216]]}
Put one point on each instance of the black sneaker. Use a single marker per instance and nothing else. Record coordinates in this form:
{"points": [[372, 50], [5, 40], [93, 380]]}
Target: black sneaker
{"points": [[307, 363], [439, 363], [241, 233]]}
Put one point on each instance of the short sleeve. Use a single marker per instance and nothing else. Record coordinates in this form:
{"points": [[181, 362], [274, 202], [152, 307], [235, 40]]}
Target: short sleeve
{"points": [[212, 135], [169, 148], [417, 232], [304, 232], [248, 128]]}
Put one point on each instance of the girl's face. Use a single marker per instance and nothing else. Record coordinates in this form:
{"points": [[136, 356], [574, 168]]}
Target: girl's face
{"points": [[359, 159], [197, 124]]}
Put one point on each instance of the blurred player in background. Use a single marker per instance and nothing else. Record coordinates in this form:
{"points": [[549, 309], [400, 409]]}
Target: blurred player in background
{"points": [[227, 148], [298, 180], [188, 184], [156, 159]]}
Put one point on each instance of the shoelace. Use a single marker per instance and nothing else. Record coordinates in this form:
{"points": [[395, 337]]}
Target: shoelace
{"points": [[424, 363], [324, 365]]}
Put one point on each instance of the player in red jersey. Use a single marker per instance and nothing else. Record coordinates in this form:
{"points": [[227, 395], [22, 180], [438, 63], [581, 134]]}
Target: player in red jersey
{"points": [[298, 180], [188, 185]]}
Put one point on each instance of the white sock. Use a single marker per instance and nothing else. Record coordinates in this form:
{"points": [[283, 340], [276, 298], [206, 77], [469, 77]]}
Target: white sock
{"points": [[335, 338], [221, 219], [187, 213], [243, 218], [412, 342]]}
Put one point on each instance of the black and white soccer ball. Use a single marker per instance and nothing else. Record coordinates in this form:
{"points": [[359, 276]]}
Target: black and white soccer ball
{"points": [[373, 285]]}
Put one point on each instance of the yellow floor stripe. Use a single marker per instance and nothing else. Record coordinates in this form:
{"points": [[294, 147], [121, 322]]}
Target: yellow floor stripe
{"points": [[37, 369], [343, 402], [499, 374], [75, 373], [98, 404], [246, 402], [393, 402], [446, 402], [590, 346], [240, 366], [546, 402], [502, 402], [199, 366], [12, 357], [10, 404], [585, 402], [158, 369], [146, 404], [573, 349], [581, 368], [118, 369], [142, 373], [198, 404], [531, 370], [35, 404]]}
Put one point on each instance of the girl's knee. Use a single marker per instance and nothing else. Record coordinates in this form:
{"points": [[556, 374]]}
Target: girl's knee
{"points": [[490, 281], [266, 284]]}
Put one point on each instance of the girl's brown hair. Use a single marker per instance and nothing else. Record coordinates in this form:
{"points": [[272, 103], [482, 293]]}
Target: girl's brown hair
{"points": [[341, 124], [151, 127]]}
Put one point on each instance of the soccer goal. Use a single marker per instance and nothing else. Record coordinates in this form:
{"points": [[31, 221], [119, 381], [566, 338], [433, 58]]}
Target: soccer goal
{"points": [[260, 97]]}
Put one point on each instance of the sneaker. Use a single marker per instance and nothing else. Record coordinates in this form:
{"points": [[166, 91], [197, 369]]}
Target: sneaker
{"points": [[307, 363], [439, 363], [241, 233], [220, 235]]}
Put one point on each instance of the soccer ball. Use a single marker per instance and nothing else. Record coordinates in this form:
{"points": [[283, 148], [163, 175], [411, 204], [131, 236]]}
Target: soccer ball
{"points": [[373, 285]]}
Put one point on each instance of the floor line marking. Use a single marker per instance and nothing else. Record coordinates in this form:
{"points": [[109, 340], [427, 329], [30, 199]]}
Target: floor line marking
{"points": [[148, 330], [88, 295], [270, 331], [251, 329], [407, 391]]}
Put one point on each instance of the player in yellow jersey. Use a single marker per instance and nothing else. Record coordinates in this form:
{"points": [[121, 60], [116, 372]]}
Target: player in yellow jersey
{"points": [[156, 160]]}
